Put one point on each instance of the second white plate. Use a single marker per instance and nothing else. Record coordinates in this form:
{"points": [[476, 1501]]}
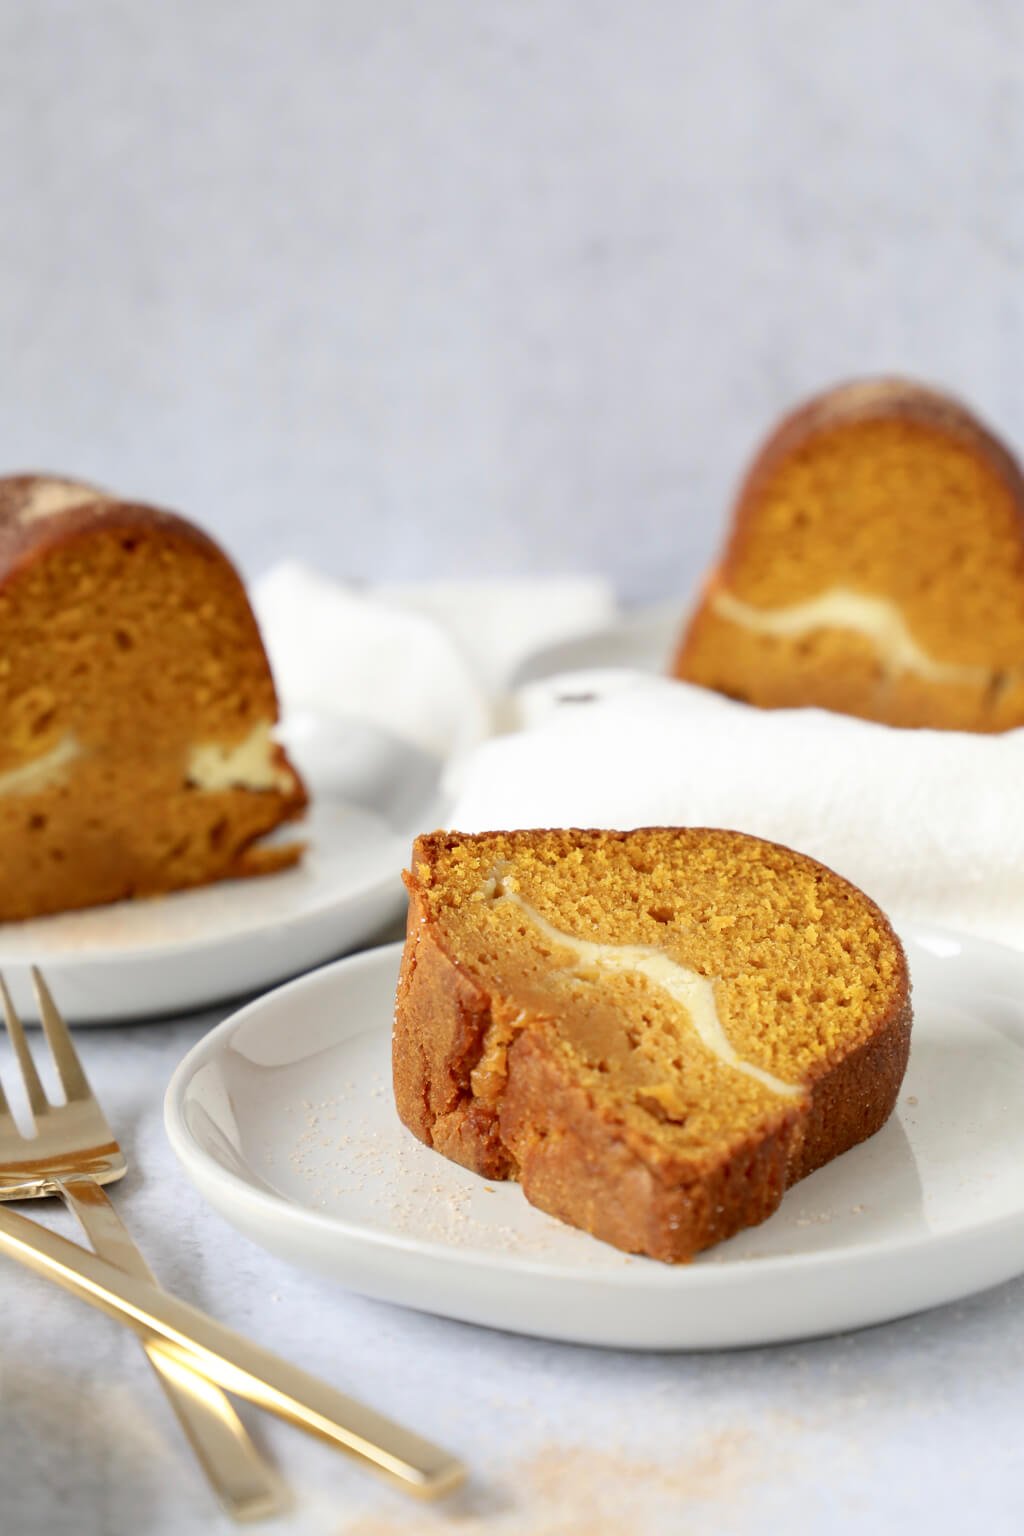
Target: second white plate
{"points": [[371, 793], [284, 1119], [643, 640]]}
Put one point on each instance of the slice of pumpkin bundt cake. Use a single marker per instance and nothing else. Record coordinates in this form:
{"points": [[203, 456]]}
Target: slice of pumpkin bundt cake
{"points": [[136, 706], [655, 1032], [875, 566]]}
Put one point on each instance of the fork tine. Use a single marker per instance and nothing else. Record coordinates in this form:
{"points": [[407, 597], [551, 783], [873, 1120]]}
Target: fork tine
{"points": [[65, 1058], [33, 1087]]}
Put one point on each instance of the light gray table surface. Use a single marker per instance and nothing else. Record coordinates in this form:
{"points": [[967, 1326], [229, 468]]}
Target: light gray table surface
{"points": [[910, 1426]]}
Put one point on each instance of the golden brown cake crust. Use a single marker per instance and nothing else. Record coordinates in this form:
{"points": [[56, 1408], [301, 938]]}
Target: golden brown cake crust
{"points": [[843, 674], [867, 400], [22, 542], [575, 1162], [123, 819]]}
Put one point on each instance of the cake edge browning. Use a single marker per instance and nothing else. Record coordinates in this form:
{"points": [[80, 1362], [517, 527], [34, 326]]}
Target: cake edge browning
{"points": [[578, 1166], [887, 398], [442, 1015]]}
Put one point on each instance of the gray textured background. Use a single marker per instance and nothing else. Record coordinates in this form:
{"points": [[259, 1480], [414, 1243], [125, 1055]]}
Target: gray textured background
{"points": [[465, 287]]}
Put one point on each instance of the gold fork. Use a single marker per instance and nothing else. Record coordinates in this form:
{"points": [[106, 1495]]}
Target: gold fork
{"points": [[187, 1344], [73, 1154]]}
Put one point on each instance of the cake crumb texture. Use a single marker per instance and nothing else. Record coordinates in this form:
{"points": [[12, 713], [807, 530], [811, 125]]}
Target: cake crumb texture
{"points": [[588, 1081], [888, 491], [126, 641]]}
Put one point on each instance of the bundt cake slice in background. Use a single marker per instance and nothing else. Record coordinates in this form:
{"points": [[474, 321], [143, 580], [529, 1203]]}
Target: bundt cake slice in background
{"points": [[136, 706], [875, 566], [655, 1032]]}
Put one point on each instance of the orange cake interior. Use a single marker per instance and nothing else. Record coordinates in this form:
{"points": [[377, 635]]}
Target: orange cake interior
{"points": [[669, 1000], [136, 707], [875, 567]]}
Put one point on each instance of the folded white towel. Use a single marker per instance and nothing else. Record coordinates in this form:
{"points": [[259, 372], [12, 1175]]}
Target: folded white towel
{"points": [[497, 624], [428, 663], [929, 823]]}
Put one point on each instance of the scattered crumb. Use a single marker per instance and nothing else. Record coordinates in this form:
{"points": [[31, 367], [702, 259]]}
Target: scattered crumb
{"points": [[589, 1491], [815, 1219]]}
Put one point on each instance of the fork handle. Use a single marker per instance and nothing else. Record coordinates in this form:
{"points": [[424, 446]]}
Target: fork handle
{"points": [[238, 1474], [194, 1340]]}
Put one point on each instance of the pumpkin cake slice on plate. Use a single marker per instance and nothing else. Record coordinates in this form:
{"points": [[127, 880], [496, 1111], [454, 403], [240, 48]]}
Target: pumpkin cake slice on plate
{"points": [[136, 706], [656, 1032], [875, 567]]}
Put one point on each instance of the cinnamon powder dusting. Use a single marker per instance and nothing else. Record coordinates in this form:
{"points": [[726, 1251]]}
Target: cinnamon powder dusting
{"points": [[586, 1491]]}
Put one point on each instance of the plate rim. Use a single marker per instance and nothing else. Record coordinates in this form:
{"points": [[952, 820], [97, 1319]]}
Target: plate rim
{"points": [[217, 945], [650, 1274], [207, 942], [672, 613]]}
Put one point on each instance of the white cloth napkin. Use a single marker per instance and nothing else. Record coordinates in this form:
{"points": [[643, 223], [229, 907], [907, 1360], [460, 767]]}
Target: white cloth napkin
{"points": [[931, 824], [428, 663]]}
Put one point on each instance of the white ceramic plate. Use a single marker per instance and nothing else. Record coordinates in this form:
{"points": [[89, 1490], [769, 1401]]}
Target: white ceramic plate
{"points": [[370, 794], [283, 1117], [643, 640]]}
